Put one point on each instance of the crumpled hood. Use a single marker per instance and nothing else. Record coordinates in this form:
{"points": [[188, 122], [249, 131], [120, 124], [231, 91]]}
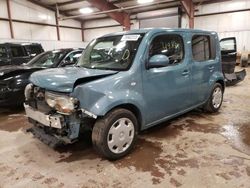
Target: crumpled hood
{"points": [[64, 79], [13, 69]]}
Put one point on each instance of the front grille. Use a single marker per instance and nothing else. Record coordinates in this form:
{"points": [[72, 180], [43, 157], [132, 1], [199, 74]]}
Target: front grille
{"points": [[38, 102], [3, 86]]}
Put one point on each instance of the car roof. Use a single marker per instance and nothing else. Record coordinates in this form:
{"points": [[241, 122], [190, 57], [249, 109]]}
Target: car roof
{"points": [[19, 43], [155, 30], [65, 50]]}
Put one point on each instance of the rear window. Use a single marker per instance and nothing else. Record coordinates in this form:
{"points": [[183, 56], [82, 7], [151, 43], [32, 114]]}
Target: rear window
{"points": [[17, 51], [201, 48], [228, 45], [34, 49], [3, 52]]}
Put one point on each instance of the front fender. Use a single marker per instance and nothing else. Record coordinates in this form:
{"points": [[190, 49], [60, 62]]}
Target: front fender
{"points": [[99, 103], [110, 101]]}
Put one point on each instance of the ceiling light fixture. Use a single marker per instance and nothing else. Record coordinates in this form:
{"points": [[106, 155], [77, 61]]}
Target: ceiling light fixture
{"points": [[86, 10], [144, 1]]}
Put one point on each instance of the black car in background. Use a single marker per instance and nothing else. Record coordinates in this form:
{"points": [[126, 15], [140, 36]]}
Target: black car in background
{"points": [[13, 79], [18, 53]]}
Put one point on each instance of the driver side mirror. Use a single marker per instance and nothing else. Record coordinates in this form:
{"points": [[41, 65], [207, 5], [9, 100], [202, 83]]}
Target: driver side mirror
{"points": [[157, 61]]}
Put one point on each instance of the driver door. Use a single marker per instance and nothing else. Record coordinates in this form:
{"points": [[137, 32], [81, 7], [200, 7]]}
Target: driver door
{"points": [[167, 90]]}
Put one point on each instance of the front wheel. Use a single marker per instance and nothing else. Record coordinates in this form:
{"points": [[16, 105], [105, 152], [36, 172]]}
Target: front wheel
{"points": [[215, 100], [115, 134]]}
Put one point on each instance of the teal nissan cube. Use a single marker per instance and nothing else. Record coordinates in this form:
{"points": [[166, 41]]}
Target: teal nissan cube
{"points": [[124, 83]]}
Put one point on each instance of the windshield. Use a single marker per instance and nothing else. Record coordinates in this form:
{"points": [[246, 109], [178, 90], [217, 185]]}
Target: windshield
{"points": [[3, 52], [47, 59], [111, 53]]}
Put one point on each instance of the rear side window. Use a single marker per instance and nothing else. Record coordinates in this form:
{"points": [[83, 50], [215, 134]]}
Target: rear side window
{"points": [[3, 52], [35, 49], [170, 45], [17, 51], [201, 48]]}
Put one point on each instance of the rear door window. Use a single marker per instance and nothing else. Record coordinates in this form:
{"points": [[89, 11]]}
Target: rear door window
{"points": [[18, 51], [73, 57], [3, 52], [201, 48]]}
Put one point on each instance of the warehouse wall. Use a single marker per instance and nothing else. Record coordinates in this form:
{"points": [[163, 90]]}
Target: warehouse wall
{"points": [[108, 26], [159, 18], [47, 35], [229, 24]]}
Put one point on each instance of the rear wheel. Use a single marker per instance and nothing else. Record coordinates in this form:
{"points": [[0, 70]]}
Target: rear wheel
{"points": [[115, 134], [215, 100]]}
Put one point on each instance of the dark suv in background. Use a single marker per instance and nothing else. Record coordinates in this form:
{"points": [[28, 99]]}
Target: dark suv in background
{"points": [[18, 53]]}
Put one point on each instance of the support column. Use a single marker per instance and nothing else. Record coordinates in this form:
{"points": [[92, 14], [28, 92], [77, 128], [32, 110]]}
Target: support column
{"points": [[188, 7], [10, 19], [82, 29], [57, 26]]}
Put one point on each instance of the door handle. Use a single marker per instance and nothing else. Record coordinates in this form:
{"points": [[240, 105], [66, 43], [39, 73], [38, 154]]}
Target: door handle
{"points": [[185, 73], [211, 68]]}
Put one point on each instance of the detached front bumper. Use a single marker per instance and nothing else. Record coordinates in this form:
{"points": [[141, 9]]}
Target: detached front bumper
{"points": [[234, 78], [53, 128], [54, 121]]}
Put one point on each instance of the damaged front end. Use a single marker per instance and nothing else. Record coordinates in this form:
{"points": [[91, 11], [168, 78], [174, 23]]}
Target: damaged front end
{"points": [[55, 120]]}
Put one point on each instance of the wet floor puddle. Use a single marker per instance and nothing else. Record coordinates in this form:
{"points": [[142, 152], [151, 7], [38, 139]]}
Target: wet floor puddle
{"points": [[239, 136]]}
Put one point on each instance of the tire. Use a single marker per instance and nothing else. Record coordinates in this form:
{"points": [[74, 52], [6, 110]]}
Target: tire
{"points": [[115, 134], [213, 104]]}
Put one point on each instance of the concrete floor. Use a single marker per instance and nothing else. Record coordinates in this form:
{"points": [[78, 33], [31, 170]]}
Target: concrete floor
{"points": [[194, 150]]}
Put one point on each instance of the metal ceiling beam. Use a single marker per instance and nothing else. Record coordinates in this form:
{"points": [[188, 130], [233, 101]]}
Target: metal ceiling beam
{"points": [[134, 14], [210, 2], [121, 17], [188, 7], [122, 9], [42, 4], [67, 3]]}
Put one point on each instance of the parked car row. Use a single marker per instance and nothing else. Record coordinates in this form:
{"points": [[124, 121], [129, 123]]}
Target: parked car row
{"points": [[14, 78]]}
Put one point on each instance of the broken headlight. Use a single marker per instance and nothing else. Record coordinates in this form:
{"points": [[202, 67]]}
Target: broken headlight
{"points": [[62, 103], [28, 90]]}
